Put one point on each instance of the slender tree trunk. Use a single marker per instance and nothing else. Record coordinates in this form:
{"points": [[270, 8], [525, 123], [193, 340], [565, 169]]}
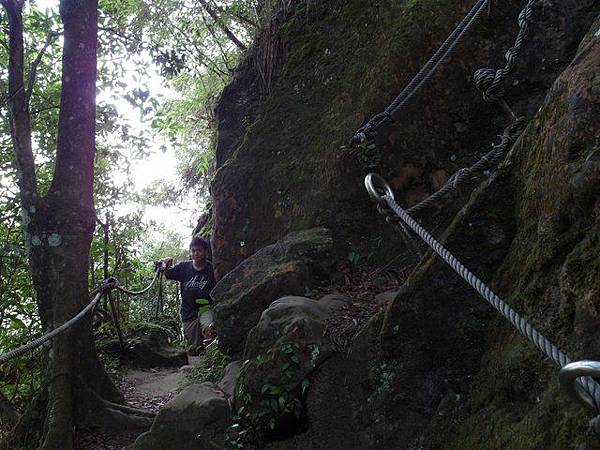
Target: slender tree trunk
{"points": [[59, 227]]}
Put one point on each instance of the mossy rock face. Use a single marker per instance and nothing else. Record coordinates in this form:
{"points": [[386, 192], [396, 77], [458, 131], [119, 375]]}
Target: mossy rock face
{"points": [[282, 352], [280, 167], [292, 266], [438, 369], [551, 274]]}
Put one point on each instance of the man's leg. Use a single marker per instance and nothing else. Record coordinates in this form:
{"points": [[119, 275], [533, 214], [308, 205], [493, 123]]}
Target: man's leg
{"points": [[193, 335]]}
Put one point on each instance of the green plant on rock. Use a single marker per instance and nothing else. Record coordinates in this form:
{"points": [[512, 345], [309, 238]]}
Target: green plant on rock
{"points": [[211, 366], [262, 413]]}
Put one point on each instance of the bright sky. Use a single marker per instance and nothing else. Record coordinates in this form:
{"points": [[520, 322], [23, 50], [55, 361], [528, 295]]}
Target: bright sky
{"points": [[159, 166]]}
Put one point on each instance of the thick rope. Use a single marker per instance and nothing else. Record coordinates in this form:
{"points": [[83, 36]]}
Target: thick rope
{"points": [[46, 337], [489, 81], [490, 159], [107, 285], [143, 291], [522, 325], [425, 74]]}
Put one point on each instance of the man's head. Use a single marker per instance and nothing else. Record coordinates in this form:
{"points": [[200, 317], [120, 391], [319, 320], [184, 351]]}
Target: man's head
{"points": [[198, 249]]}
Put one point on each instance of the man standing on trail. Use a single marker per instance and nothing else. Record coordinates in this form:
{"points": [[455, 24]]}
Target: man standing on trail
{"points": [[196, 280]]}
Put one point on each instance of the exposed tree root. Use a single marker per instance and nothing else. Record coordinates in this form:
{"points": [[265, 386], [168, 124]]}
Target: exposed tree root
{"points": [[129, 409]]}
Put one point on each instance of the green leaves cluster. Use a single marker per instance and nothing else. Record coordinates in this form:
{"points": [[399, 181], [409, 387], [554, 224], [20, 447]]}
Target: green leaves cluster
{"points": [[211, 366], [261, 413]]}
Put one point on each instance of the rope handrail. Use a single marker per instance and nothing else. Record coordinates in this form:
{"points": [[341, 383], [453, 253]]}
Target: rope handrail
{"points": [[381, 193], [424, 75], [104, 288], [157, 273], [32, 345], [490, 159], [490, 81]]}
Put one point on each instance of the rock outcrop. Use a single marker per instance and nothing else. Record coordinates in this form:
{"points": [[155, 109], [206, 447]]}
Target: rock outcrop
{"points": [[196, 419], [292, 266], [281, 353], [280, 167], [438, 369]]}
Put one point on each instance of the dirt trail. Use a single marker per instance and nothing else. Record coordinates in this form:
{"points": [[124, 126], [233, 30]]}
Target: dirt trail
{"points": [[147, 389]]}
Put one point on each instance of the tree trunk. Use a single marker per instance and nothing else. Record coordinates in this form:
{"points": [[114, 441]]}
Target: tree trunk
{"points": [[59, 229]]}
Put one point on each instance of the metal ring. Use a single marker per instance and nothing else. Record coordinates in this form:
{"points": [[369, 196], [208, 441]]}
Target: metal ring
{"points": [[568, 380], [377, 188]]}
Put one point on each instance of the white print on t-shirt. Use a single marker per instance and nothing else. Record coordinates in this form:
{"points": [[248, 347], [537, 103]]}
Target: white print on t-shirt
{"points": [[195, 283]]}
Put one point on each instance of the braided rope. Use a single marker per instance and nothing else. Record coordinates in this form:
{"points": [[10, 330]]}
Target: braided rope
{"points": [[427, 71], [490, 159], [107, 285], [143, 291], [588, 384], [490, 81], [46, 337]]}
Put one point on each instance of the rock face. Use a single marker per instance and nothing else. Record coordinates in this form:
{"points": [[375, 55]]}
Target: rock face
{"points": [[147, 352], [280, 167], [282, 351], [144, 355], [196, 419], [438, 369], [292, 266]]}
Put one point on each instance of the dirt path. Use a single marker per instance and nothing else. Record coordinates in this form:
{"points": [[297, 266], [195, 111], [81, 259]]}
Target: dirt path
{"points": [[147, 389]]}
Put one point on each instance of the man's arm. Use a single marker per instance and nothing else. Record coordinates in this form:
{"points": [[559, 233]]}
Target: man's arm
{"points": [[172, 272]]}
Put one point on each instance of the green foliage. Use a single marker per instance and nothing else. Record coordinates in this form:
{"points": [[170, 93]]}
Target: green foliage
{"points": [[211, 366], [261, 413], [354, 258]]}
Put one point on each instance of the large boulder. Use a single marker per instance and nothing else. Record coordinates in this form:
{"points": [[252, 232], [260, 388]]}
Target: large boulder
{"points": [[442, 370], [145, 352], [292, 266], [196, 419], [281, 353], [279, 163]]}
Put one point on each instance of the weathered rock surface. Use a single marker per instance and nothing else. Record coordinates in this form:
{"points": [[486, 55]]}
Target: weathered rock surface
{"points": [[196, 419], [141, 354], [281, 353], [280, 167], [438, 369], [229, 380], [147, 352], [292, 266]]}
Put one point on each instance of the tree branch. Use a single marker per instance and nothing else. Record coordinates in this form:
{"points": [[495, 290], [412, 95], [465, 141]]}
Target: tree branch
{"points": [[238, 16], [125, 37], [46, 108], [19, 117], [221, 49], [52, 35], [212, 13]]}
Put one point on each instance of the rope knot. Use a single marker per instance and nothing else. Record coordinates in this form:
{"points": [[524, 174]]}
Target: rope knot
{"points": [[109, 283], [489, 83]]}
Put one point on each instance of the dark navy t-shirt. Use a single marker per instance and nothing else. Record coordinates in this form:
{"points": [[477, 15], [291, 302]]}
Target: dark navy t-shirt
{"points": [[193, 285]]}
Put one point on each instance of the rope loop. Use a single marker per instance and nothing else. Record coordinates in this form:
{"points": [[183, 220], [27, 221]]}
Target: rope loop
{"points": [[569, 376], [490, 81]]}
